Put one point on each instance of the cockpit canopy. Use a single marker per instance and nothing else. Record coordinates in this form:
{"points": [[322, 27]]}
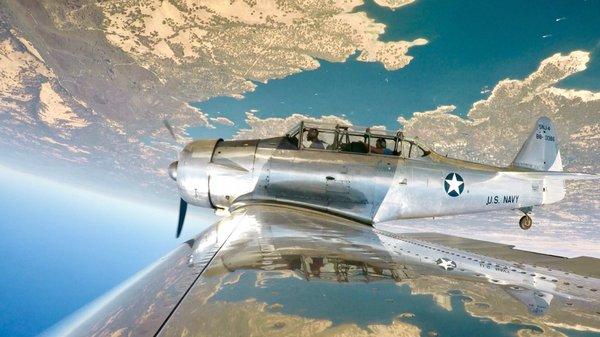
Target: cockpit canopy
{"points": [[355, 139]]}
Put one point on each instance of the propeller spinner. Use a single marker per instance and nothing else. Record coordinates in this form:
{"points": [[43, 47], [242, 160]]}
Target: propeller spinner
{"points": [[173, 170]]}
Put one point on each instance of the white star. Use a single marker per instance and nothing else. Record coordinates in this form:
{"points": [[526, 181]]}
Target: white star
{"points": [[446, 264], [454, 184]]}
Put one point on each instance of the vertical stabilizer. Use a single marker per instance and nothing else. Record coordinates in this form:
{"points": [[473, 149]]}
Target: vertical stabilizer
{"points": [[540, 151]]}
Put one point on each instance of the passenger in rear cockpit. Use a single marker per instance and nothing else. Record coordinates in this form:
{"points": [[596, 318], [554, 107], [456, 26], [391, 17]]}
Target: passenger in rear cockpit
{"points": [[381, 147], [313, 137]]}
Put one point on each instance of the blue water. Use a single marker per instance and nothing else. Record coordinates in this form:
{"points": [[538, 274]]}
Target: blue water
{"points": [[364, 304], [472, 46]]}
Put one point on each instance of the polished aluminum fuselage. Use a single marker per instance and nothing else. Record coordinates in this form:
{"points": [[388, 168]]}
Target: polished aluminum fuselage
{"points": [[369, 188]]}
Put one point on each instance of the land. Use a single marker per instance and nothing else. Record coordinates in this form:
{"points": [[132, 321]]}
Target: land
{"points": [[254, 318], [393, 4], [85, 85]]}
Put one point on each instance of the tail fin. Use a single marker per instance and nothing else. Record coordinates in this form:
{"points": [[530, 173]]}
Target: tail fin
{"points": [[540, 151]]}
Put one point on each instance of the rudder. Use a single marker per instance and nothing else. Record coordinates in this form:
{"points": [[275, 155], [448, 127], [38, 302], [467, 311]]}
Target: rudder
{"points": [[540, 151]]}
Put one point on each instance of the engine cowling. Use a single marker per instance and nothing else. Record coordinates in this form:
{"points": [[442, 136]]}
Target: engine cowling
{"points": [[192, 172]]}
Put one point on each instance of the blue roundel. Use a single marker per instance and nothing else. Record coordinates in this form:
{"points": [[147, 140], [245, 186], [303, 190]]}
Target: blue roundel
{"points": [[454, 184]]}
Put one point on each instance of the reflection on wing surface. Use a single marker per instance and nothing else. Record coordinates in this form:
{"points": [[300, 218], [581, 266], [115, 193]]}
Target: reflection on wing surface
{"points": [[279, 252], [273, 270]]}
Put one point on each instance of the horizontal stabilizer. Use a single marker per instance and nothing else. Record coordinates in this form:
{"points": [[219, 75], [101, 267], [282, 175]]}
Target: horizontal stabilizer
{"points": [[551, 175]]}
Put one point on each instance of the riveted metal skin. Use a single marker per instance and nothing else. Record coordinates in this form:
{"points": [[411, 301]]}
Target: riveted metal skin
{"points": [[354, 179], [232, 174], [369, 188], [351, 185], [417, 189]]}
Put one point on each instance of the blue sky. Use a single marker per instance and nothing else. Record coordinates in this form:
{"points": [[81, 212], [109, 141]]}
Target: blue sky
{"points": [[62, 247]]}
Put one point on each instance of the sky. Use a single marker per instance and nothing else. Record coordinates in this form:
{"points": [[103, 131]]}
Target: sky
{"points": [[62, 247]]}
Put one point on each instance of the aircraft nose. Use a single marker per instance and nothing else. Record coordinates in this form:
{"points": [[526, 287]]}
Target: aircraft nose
{"points": [[173, 170]]}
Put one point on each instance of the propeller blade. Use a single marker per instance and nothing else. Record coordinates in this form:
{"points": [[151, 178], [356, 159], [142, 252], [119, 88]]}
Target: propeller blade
{"points": [[182, 211], [170, 128]]}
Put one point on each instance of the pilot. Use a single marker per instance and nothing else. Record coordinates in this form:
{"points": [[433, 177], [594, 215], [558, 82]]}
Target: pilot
{"points": [[313, 137], [381, 147]]}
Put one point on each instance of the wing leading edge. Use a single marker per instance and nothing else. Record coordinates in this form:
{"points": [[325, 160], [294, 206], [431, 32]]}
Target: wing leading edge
{"points": [[142, 304]]}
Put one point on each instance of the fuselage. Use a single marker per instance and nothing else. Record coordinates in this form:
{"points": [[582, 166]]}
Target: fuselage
{"points": [[367, 187]]}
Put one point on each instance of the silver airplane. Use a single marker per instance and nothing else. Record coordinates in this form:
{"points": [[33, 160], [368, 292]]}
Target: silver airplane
{"points": [[299, 253], [367, 176]]}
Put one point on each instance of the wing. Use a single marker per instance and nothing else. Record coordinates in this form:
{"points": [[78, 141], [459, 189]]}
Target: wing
{"points": [[273, 270]]}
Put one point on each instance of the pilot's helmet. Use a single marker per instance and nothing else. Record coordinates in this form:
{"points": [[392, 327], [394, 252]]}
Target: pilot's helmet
{"points": [[312, 135], [381, 143]]}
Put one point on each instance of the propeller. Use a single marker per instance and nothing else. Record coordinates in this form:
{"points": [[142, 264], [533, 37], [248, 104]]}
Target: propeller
{"points": [[170, 129], [182, 210], [173, 174]]}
